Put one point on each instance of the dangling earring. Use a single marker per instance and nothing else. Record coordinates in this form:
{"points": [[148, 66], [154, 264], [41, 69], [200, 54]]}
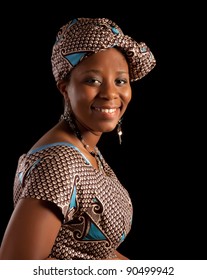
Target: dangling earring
{"points": [[67, 108], [119, 130], [69, 117], [67, 113]]}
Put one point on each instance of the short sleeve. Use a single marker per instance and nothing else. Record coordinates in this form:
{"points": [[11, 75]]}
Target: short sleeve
{"points": [[46, 176]]}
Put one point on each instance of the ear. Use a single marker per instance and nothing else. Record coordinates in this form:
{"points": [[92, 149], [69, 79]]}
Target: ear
{"points": [[62, 87]]}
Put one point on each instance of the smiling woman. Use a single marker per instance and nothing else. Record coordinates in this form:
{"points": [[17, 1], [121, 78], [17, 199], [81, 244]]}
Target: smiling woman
{"points": [[69, 204]]}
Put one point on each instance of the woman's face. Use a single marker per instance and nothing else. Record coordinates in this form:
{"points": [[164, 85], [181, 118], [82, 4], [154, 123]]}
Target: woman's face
{"points": [[99, 90]]}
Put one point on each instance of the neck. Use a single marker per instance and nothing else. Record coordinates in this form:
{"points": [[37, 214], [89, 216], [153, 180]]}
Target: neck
{"points": [[69, 118], [85, 139]]}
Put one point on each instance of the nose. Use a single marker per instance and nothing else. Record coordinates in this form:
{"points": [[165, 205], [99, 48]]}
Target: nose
{"points": [[108, 91]]}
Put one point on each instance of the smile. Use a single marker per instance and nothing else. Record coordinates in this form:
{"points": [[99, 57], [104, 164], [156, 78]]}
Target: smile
{"points": [[105, 110]]}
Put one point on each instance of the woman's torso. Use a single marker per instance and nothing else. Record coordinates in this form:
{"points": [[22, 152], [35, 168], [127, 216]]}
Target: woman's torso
{"points": [[97, 209]]}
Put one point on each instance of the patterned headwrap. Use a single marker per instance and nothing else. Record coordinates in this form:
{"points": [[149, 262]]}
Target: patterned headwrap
{"points": [[84, 36]]}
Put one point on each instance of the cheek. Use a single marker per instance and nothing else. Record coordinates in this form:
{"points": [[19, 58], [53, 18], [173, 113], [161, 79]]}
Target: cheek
{"points": [[127, 96], [74, 94], [79, 102]]}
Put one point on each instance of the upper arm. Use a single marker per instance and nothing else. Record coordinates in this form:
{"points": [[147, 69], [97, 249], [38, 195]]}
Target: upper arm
{"points": [[32, 230]]}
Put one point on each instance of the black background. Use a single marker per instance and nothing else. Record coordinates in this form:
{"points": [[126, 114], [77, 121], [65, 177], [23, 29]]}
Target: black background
{"points": [[160, 161]]}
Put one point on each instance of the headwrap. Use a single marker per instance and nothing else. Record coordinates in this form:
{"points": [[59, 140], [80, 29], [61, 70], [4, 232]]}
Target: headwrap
{"points": [[82, 37]]}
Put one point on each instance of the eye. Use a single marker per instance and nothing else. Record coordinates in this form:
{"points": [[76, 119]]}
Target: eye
{"points": [[93, 81], [121, 82]]}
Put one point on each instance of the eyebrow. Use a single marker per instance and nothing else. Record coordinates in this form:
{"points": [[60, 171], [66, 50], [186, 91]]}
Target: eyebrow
{"points": [[98, 71]]}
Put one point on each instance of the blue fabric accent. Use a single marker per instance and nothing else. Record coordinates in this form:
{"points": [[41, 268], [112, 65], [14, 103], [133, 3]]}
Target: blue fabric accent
{"points": [[33, 166], [122, 238], [73, 199], [51, 145], [74, 58], [115, 31], [20, 175], [143, 49], [59, 38], [58, 144], [73, 21], [94, 233]]}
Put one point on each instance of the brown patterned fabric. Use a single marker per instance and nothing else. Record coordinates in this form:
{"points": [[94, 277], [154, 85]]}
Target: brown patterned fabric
{"points": [[96, 208], [83, 36]]}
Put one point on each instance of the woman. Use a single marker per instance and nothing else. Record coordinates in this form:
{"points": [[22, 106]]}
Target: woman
{"points": [[69, 204]]}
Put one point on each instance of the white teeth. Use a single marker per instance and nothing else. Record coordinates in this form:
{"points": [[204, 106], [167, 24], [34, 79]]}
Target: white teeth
{"points": [[105, 110]]}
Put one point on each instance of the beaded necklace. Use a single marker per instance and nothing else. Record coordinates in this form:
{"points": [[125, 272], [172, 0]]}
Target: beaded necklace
{"points": [[69, 118]]}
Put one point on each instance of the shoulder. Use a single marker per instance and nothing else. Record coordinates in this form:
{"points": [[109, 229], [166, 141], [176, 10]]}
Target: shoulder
{"points": [[48, 156], [57, 134]]}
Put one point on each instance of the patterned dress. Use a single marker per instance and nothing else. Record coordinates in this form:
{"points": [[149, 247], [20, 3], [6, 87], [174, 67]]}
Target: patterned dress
{"points": [[96, 208]]}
